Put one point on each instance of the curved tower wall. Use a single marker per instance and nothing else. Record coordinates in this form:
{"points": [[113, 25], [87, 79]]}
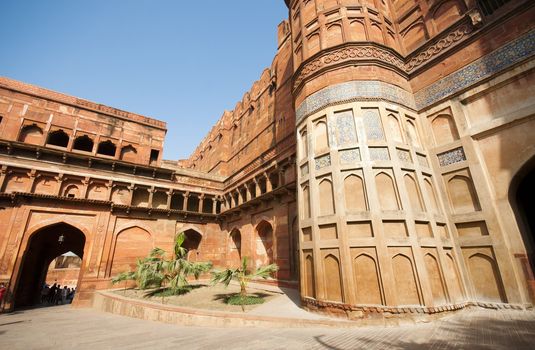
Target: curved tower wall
{"points": [[379, 217]]}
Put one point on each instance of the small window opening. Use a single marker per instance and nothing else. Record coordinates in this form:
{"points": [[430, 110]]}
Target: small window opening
{"points": [[154, 155], [58, 138], [107, 148], [83, 143]]}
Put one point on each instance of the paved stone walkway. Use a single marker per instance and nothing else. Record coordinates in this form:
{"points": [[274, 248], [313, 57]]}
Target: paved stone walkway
{"points": [[65, 328]]}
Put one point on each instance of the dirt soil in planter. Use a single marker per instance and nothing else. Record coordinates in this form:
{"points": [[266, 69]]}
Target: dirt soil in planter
{"points": [[203, 296]]}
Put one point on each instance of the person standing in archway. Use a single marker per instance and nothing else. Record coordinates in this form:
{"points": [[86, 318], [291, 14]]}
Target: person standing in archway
{"points": [[3, 291]]}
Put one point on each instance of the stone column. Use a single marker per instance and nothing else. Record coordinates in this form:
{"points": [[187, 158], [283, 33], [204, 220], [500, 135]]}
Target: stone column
{"points": [[169, 198], [258, 192], [269, 185], [185, 203], [201, 203], [151, 197], [214, 205]]}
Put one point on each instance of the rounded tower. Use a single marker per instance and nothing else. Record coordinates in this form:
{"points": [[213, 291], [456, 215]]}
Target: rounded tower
{"points": [[373, 234]]}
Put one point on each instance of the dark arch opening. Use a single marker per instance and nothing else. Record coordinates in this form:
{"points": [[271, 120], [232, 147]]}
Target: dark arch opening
{"points": [[191, 243], [522, 199], [58, 138], [43, 247], [83, 143], [107, 148]]}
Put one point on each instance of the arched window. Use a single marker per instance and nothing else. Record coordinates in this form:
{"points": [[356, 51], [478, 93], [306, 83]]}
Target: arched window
{"points": [[83, 143], [31, 134], [107, 148], [58, 138]]}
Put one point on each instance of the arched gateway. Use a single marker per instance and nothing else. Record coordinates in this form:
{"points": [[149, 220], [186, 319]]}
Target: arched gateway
{"points": [[43, 246]]}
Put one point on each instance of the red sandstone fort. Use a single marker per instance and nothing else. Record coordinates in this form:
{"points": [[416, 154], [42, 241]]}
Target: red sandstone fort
{"points": [[385, 161]]}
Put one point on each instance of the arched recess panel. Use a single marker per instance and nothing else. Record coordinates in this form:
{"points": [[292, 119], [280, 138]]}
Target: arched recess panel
{"points": [[332, 280], [159, 200], [313, 44], [444, 129], [454, 281], [414, 193], [356, 31], [412, 133], [192, 244], [97, 191], [129, 154], [376, 34], [58, 138], [234, 248], [140, 198], [326, 197], [17, 182], [303, 144], [46, 185], [310, 284], [264, 244], [446, 14], [405, 279], [355, 194], [306, 203], [120, 195], [463, 195], [368, 290], [334, 35], [414, 37], [31, 134], [484, 274], [130, 244], [431, 195], [321, 138], [72, 190], [395, 129], [386, 191], [435, 279]]}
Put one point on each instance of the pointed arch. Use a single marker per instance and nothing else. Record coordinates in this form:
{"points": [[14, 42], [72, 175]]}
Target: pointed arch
{"points": [[463, 195], [386, 190], [333, 280], [31, 134], [395, 128], [367, 280], [264, 251], [414, 193], [130, 244], [435, 279], [405, 279], [355, 193], [326, 197]]}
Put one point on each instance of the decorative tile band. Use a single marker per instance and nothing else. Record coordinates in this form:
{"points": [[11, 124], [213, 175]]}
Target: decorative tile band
{"points": [[453, 156], [404, 155], [379, 153], [363, 89], [323, 161], [304, 170], [349, 156], [484, 67]]}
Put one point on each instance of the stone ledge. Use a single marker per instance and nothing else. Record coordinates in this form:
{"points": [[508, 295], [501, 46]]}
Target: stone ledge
{"points": [[106, 301]]}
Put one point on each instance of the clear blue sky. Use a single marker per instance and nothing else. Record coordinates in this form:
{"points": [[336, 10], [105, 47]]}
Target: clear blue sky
{"points": [[180, 61]]}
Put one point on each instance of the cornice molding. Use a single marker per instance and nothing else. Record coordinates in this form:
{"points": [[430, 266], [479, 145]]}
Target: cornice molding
{"points": [[359, 54]]}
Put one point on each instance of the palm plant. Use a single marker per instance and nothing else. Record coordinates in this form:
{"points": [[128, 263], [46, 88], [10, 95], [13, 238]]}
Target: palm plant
{"points": [[124, 277], [154, 271], [243, 275], [175, 272]]}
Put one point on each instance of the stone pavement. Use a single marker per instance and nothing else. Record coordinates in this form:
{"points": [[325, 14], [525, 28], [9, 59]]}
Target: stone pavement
{"points": [[76, 329]]}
